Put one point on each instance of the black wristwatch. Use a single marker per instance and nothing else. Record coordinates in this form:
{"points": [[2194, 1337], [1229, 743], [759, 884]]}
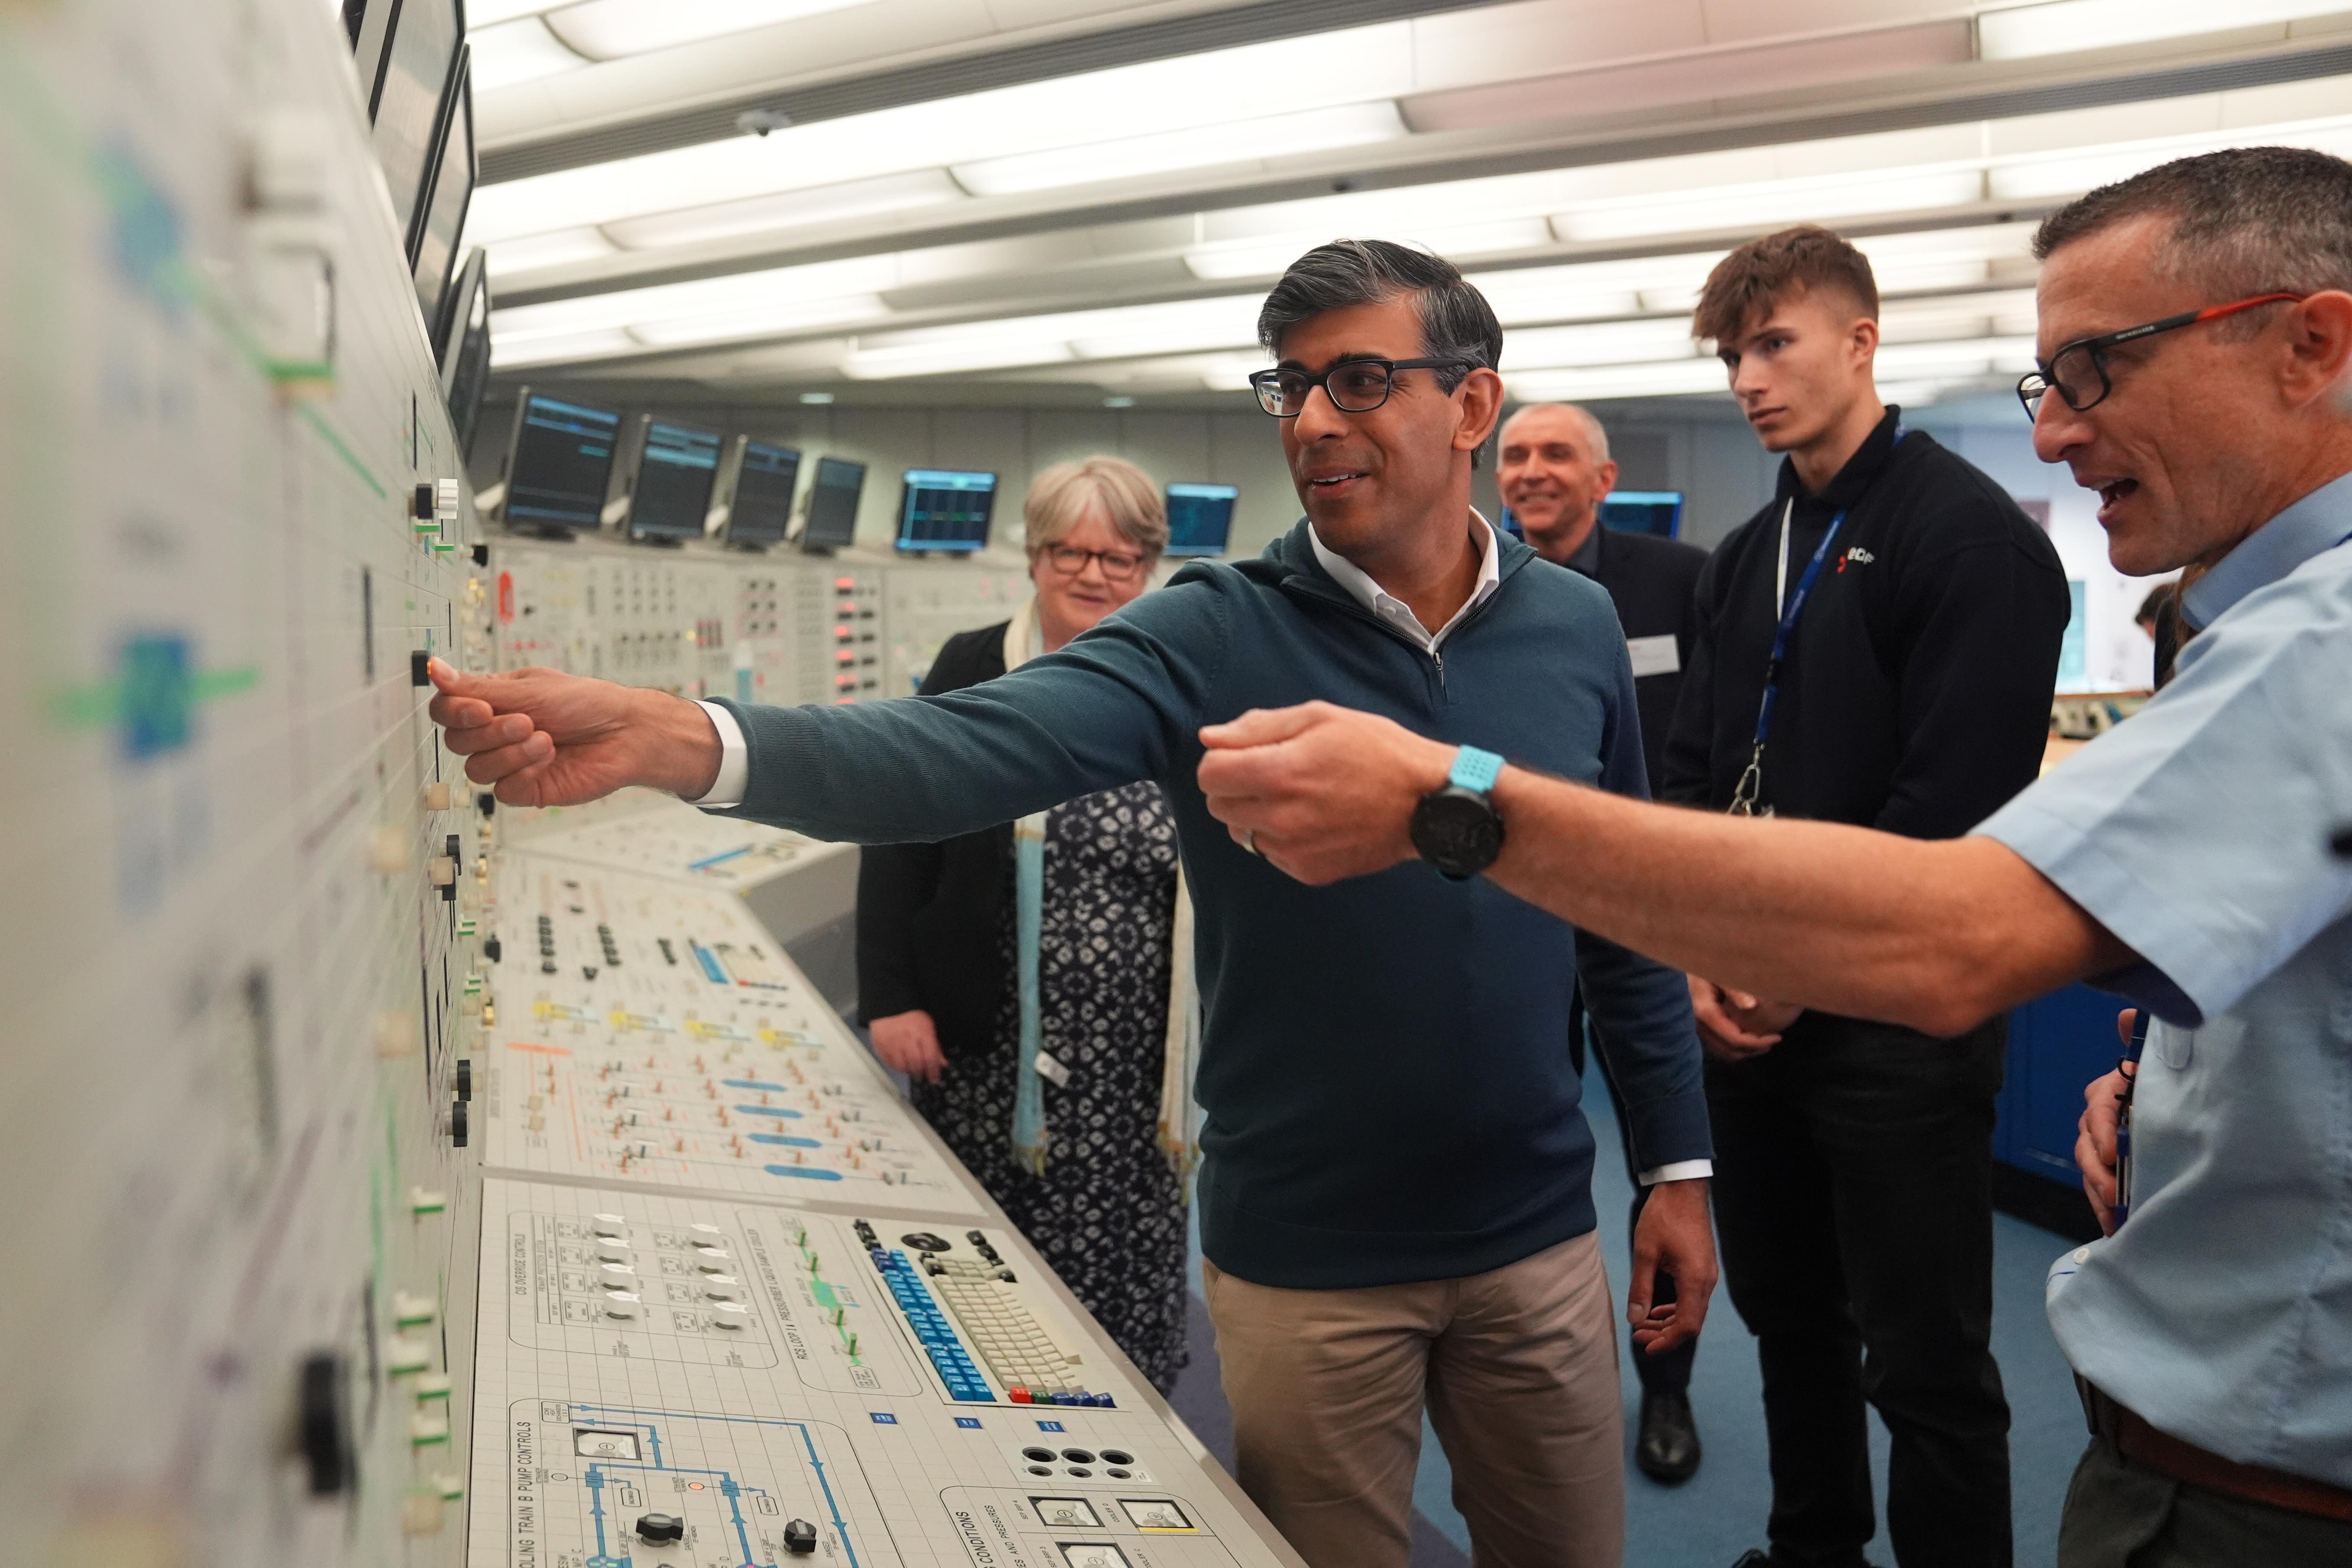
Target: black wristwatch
{"points": [[1457, 828]]}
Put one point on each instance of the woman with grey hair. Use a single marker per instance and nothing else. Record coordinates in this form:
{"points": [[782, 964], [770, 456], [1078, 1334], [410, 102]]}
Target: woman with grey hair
{"points": [[1033, 980]]}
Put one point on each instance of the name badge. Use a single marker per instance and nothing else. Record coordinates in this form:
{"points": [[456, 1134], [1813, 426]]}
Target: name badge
{"points": [[1654, 656]]}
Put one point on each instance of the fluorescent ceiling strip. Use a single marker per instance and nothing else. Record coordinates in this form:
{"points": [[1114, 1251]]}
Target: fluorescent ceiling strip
{"points": [[1666, 379], [1268, 259], [1197, 147], [1772, 204], [509, 354], [781, 288], [948, 359], [2067, 26], [516, 52], [533, 252], [615, 29], [1320, 72], [793, 209], [842, 311], [481, 15], [1608, 342]]}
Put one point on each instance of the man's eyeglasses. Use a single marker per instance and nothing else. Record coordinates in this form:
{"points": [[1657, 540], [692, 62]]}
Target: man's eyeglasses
{"points": [[2078, 372], [1119, 565], [1354, 386]]}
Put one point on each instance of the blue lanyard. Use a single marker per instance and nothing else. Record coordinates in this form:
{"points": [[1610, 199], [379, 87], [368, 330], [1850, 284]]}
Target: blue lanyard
{"points": [[1751, 780], [1743, 794]]}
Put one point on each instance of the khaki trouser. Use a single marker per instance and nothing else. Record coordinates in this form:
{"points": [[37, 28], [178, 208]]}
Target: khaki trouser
{"points": [[1517, 1367]]}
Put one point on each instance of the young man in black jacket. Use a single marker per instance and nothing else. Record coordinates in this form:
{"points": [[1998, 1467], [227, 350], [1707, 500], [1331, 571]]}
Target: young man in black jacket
{"points": [[1913, 615], [1553, 468]]}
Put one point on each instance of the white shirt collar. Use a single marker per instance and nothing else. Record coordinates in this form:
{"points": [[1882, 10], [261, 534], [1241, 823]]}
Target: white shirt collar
{"points": [[1394, 612]]}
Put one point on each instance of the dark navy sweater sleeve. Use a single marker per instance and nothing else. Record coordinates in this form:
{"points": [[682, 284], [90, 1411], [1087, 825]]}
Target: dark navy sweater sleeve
{"points": [[1118, 704], [1641, 1009]]}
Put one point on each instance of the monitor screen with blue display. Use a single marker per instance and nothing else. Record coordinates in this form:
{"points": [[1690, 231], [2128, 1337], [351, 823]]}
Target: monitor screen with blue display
{"points": [[1200, 517], [763, 495], [673, 481], [562, 464], [1643, 511], [946, 509]]}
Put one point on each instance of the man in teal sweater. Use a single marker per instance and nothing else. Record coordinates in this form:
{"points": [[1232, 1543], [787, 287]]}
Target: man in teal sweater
{"points": [[1395, 1197]]}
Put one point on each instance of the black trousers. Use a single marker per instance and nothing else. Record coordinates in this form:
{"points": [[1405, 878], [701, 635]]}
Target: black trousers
{"points": [[1853, 1202], [1669, 1372]]}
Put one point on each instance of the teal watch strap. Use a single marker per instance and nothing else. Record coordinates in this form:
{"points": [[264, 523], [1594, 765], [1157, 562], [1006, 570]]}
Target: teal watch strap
{"points": [[1474, 769]]}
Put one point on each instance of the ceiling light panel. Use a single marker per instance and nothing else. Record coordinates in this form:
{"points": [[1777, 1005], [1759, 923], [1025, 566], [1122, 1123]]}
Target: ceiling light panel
{"points": [[788, 210], [1357, 66], [1203, 146], [482, 15], [616, 29], [518, 51], [778, 288], [1772, 204], [512, 353], [2065, 27], [1610, 343], [532, 252], [1268, 259]]}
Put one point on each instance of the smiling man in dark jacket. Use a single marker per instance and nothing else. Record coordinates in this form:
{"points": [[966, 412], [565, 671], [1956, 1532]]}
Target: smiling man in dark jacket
{"points": [[1396, 1196]]}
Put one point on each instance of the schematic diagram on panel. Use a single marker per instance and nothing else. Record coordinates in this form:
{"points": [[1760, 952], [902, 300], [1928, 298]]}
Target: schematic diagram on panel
{"points": [[609, 1486]]}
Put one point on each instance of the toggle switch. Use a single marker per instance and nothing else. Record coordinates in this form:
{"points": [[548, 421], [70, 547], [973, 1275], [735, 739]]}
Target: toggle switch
{"points": [[437, 798], [424, 1201], [420, 501], [443, 872], [411, 1312], [404, 1357], [388, 851], [433, 1385], [465, 1078], [417, 674], [397, 1034], [458, 1124]]}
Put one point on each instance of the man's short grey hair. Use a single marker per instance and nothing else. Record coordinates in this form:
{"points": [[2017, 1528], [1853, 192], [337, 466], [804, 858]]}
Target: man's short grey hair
{"points": [[2247, 221], [1597, 433], [1455, 320]]}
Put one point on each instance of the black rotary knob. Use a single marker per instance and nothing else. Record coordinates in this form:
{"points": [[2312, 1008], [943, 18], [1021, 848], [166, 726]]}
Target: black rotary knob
{"points": [[800, 1538], [660, 1529], [323, 1423]]}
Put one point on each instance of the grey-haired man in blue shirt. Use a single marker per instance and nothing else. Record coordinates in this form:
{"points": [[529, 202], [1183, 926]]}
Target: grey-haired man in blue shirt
{"points": [[2196, 371]]}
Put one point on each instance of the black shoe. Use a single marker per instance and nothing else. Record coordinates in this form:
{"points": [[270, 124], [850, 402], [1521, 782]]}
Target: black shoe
{"points": [[1668, 1450]]}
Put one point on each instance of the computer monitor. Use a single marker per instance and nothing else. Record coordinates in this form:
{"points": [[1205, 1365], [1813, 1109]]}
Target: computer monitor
{"points": [[411, 106], [1643, 511], [465, 348], [674, 474], [449, 193], [945, 510], [1200, 518], [560, 465], [765, 479], [840, 484]]}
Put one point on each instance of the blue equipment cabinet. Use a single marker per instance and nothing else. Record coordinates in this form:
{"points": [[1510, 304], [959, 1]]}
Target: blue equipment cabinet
{"points": [[2057, 1044]]}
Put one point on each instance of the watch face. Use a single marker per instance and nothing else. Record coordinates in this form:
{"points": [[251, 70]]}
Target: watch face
{"points": [[1457, 832]]}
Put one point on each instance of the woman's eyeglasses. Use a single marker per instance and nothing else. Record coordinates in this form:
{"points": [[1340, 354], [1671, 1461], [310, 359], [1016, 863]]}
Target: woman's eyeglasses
{"points": [[1119, 565]]}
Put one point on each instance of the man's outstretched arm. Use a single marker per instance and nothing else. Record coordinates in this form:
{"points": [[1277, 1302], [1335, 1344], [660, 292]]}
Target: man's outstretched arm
{"points": [[1936, 936]]}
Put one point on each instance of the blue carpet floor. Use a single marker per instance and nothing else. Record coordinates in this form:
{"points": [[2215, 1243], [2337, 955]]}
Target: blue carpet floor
{"points": [[1719, 1513]]}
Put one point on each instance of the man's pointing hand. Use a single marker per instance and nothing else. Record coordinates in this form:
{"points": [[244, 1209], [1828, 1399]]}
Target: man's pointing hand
{"points": [[544, 738]]}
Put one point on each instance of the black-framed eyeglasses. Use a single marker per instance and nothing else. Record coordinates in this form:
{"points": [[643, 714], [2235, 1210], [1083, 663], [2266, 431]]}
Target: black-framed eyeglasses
{"points": [[1354, 386], [2078, 372], [1119, 565]]}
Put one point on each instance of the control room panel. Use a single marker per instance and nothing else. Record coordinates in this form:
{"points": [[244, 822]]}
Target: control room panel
{"points": [[419, 1182]]}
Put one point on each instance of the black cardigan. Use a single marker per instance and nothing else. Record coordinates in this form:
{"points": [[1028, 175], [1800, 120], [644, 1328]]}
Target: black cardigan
{"points": [[931, 917]]}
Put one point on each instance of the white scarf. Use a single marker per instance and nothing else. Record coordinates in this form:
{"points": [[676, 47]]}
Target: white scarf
{"points": [[1022, 642]]}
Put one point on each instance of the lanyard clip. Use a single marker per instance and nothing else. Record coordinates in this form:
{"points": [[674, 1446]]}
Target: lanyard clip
{"points": [[1751, 783]]}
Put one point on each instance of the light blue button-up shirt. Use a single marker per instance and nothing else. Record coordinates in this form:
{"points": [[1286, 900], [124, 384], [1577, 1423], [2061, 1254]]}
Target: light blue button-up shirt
{"points": [[2198, 834]]}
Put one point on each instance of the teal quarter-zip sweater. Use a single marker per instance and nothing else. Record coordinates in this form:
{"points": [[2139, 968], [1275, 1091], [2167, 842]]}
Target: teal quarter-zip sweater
{"points": [[1385, 1062]]}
